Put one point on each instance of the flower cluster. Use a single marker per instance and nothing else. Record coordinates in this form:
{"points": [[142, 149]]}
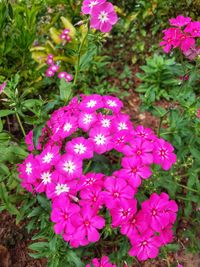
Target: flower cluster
{"points": [[182, 34], [64, 36], [103, 15], [73, 135], [53, 68]]}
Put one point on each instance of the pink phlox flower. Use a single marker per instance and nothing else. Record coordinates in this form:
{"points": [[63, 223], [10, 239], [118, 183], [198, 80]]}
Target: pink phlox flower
{"points": [[29, 141], [92, 196], [2, 86], [136, 224], [171, 39], [44, 179], [91, 180], [70, 166], [28, 169], [179, 265], [192, 53], [60, 186], [193, 28], [186, 42], [49, 72], [179, 21], [120, 139], [54, 68], [86, 120], [133, 170], [73, 107], [104, 121], [75, 242], [145, 133], [165, 236], [69, 125], [145, 246], [91, 103], [122, 123], [163, 154], [103, 262], [140, 149], [64, 75], [103, 17], [116, 190], [101, 139], [88, 5], [49, 156], [62, 210], [112, 103], [159, 211], [80, 147], [86, 223], [123, 211]]}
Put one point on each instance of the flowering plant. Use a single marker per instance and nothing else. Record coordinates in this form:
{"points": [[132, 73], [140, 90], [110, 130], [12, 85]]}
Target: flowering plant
{"points": [[61, 168]]}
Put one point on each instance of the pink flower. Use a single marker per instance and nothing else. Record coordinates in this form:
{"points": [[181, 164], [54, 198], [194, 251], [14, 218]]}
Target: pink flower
{"points": [[198, 113], [179, 21], [49, 156], [70, 166], [122, 122], [144, 246], [116, 190], [68, 125], [145, 133], [2, 86], [171, 39], [101, 139], [86, 223], [92, 196], [103, 17], [80, 147], [49, 72], [91, 103], [193, 28], [44, 179], [88, 5], [91, 180], [166, 236], [86, 120], [133, 170], [64, 75], [163, 154], [105, 121], [113, 103], [179, 265], [103, 262], [62, 211], [123, 211], [159, 212], [120, 139], [186, 42]]}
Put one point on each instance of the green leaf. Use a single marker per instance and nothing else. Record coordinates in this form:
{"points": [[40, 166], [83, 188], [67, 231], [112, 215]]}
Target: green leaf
{"points": [[6, 112], [65, 90], [38, 246], [74, 258], [37, 133], [44, 202]]}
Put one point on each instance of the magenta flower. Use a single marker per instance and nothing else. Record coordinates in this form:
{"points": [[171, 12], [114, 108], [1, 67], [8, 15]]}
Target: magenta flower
{"points": [[103, 17], [171, 39], [116, 190], [105, 121], [145, 246], [133, 169], [198, 113], [86, 223], [49, 156], [159, 212], [91, 103], [193, 28], [70, 166], [44, 179], [112, 103], [145, 133], [166, 236], [93, 197], [2, 86], [80, 147], [179, 265], [86, 120], [88, 5], [91, 180], [103, 262], [101, 139], [120, 139], [163, 154], [186, 42], [49, 72], [68, 125], [123, 211], [62, 211], [122, 122], [179, 21]]}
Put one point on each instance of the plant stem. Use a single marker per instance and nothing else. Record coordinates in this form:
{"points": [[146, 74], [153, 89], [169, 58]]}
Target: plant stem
{"points": [[160, 123], [20, 123], [79, 56], [188, 188]]}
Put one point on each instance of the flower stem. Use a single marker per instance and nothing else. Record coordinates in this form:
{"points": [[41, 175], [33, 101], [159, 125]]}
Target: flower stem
{"points": [[188, 188], [20, 124]]}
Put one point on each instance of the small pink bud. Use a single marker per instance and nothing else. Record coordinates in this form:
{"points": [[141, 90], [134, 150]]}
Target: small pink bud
{"points": [[62, 74], [2, 86], [65, 31], [50, 56], [69, 77], [49, 61], [49, 73], [54, 68]]}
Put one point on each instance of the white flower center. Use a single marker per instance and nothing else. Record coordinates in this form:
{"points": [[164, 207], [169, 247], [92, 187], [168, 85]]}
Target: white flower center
{"points": [[103, 16], [47, 158], [79, 149], [89, 181], [69, 166], [67, 127], [122, 126], [61, 188], [91, 103], [105, 123], [87, 119], [111, 103], [100, 139], [46, 177], [29, 168], [93, 3]]}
